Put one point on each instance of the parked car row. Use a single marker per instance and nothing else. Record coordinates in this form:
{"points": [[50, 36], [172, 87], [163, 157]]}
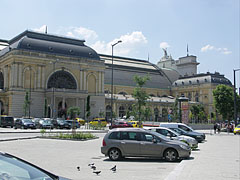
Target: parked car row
{"points": [[45, 123]]}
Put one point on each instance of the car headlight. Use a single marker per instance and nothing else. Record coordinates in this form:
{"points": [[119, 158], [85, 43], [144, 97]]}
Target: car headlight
{"points": [[184, 147]]}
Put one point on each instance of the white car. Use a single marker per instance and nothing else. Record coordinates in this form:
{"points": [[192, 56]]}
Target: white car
{"points": [[174, 135]]}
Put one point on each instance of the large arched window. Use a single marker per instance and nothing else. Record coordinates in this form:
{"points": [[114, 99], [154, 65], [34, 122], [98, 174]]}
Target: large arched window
{"points": [[1, 81], [62, 79]]}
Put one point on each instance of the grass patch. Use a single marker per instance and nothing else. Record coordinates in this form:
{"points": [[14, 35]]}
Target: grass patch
{"points": [[72, 136]]}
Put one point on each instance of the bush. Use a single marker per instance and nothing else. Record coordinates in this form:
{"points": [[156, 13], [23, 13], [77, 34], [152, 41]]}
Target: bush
{"points": [[77, 136]]}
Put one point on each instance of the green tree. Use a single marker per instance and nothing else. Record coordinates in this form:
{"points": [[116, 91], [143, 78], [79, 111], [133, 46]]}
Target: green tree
{"points": [[147, 112], [224, 101], [198, 113], [26, 104], [140, 96], [73, 112], [175, 111]]}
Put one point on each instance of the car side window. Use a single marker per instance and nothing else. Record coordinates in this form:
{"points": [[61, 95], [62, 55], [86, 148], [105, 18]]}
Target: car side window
{"points": [[184, 128], [162, 131], [146, 137], [114, 135], [129, 136]]}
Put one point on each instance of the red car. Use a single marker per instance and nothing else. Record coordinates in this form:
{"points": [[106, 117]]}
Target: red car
{"points": [[121, 124]]}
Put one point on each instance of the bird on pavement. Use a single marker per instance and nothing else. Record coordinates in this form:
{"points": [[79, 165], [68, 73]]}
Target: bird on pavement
{"points": [[93, 167], [97, 172], [78, 168], [114, 168], [91, 164]]}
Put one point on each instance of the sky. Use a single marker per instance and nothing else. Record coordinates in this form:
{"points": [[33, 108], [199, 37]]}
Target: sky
{"points": [[210, 28]]}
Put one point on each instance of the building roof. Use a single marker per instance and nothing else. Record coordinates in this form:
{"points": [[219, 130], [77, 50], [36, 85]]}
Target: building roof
{"points": [[51, 44], [126, 68], [203, 78]]}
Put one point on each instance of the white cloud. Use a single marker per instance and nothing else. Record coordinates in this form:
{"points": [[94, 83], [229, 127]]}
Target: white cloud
{"points": [[213, 48], [164, 45], [82, 33], [42, 29], [131, 42]]}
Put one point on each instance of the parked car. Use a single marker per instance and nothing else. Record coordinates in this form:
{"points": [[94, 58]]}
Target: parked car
{"points": [[188, 131], [193, 134], [24, 124], [137, 142], [81, 121], [192, 142], [12, 167], [237, 129], [73, 124], [6, 121], [135, 124], [121, 124], [45, 124], [99, 121], [63, 124]]}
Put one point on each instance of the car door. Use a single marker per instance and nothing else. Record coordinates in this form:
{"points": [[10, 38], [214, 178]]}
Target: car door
{"points": [[148, 147], [129, 143]]}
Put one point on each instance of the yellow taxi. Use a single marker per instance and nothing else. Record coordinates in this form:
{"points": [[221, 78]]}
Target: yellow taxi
{"points": [[99, 121], [135, 124], [237, 129], [81, 121]]}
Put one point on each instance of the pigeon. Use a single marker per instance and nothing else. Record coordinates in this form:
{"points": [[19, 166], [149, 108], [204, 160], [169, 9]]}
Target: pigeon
{"points": [[93, 167], [92, 164], [114, 168], [78, 168], [97, 172]]}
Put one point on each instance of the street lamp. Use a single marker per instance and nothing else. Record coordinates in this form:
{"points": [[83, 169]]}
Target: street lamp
{"points": [[30, 84], [112, 83], [235, 98], [180, 100], [53, 89]]}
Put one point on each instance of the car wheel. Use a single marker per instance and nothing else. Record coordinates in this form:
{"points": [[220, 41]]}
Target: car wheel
{"points": [[115, 154], [171, 155]]}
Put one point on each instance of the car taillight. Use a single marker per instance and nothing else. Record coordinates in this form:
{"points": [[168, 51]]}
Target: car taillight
{"points": [[103, 143]]}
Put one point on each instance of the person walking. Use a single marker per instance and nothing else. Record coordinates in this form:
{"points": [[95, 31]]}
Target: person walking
{"points": [[215, 128]]}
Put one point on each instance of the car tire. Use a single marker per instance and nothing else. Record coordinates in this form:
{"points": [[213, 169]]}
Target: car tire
{"points": [[114, 154], [170, 155]]}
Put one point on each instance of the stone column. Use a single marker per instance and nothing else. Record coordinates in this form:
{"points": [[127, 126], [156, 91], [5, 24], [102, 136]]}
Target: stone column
{"points": [[39, 77], [81, 80], [99, 82], [84, 81], [20, 75], [102, 90], [5, 76], [43, 77], [63, 102]]}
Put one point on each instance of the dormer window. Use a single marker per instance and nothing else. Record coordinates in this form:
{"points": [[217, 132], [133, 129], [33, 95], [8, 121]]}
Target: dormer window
{"points": [[50, 48]]}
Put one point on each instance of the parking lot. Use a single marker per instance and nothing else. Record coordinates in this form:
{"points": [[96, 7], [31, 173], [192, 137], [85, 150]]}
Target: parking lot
{"points": [[218, 158]]}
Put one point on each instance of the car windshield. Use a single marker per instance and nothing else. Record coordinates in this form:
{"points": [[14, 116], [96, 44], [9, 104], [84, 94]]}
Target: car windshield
{"points": [[27, 120], [13, 168], [238, 126], [174, 132]]}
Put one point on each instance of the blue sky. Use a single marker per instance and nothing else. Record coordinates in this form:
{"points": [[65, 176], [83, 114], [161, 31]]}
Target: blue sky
{"points": [[209, 27]]}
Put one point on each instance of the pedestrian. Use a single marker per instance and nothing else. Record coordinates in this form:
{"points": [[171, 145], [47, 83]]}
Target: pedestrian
{"points": [[218, 128], [215, 128]]}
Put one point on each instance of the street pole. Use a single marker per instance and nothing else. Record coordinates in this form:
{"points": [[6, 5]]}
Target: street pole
{"points": [[29, 108], [235, 98], [112, 84]]}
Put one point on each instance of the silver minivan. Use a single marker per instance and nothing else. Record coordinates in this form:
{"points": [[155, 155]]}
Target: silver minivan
{"points": [[137, 142]]}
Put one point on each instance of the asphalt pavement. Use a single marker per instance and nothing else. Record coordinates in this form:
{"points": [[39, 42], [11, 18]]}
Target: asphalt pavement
{"points": [[217, 158]]}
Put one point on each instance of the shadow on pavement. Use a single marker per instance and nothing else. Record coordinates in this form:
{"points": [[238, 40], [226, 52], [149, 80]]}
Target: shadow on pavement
{"points": [[143, 160]]}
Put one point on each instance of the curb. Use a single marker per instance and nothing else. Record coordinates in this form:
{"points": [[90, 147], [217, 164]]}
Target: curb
{"points": [[15, 139]]}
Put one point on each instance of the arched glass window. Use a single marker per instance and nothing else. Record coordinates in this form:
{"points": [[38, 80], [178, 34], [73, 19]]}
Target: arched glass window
{"points": [[62, 79]]}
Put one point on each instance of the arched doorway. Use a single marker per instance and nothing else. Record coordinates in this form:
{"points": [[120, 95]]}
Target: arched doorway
{"points": [[62, 111], [122, 111], [108, 112], [156, 114], [164, 114]]}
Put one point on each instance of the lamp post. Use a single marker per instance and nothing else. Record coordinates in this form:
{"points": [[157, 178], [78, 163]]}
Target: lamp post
{"points": [[235, 98], [30, 84], [112, 83], [53, 89], [180, 100]]}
